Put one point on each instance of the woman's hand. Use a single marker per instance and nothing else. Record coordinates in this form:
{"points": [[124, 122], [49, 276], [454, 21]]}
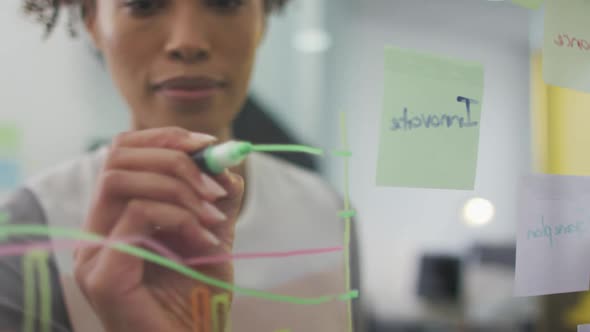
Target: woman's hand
{"points": [[150, 187]]}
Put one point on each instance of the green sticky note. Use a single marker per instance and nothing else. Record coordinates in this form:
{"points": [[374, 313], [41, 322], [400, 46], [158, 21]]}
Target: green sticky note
{"points": [[10, 139], [429, 133], [530, 4], [566, 45], [4, 218]]}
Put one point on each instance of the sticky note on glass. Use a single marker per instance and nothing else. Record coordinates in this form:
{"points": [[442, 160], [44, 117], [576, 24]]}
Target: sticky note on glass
{"points": [[10, 174], [530, 4], [10, 139], [566, 45], [553, 235], [429, 132]]}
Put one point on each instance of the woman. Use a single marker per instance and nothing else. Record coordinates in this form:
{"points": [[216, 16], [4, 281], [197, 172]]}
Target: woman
{"points": [[183, 67]]}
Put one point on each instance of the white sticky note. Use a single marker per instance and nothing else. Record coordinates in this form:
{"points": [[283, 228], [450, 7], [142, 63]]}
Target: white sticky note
{"points": [[553, 236], [566, 46], [584, 328]]}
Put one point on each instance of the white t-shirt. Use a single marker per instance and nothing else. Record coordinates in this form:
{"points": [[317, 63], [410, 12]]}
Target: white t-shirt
{"points": [[286, 208]]}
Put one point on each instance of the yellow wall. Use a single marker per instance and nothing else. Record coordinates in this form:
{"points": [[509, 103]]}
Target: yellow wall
{"points": [[539, 119], [560, 125]]}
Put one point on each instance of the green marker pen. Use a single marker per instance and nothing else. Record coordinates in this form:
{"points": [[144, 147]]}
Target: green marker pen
{"points": [[216, 158]]}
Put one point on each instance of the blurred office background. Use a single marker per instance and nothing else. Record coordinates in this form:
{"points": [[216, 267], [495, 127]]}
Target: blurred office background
{"points": [[426, 266]]}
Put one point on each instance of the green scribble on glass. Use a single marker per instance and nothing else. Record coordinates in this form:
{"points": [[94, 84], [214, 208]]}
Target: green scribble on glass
{"points": [[37, 260], [4, 218], [62, 232], [347, 222], [220, 302], [283, 330], [287, 148], [347, 214], [45, 286], [353, 294], [342, 153], [29, 293]]}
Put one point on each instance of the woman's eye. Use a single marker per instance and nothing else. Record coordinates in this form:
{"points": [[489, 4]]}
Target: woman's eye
{"points": [[143, 7], [225, 4]]}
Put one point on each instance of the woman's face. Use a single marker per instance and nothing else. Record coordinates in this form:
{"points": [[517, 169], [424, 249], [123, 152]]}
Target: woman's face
{"points": [[179, 62]]}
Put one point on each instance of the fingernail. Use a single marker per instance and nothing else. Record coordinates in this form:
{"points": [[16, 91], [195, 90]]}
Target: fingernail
{"points": [[203, 137], [211, 238], [211, 211], [212, 186]]}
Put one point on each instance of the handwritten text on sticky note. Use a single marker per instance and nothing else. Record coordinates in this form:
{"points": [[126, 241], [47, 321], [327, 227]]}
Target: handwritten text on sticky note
{"points": [[566, 46], [429, 133], [406, 122], [553, 235]]}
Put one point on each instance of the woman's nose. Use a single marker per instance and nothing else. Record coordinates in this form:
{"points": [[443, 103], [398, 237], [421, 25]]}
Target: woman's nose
{"points": [[188, 39], [188, 53]]}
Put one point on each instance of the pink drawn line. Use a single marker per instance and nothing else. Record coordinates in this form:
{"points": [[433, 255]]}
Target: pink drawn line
{"points": [[20, 249], [284, 254]]}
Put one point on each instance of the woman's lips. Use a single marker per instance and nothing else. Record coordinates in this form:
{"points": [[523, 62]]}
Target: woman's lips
{"points": [[189, 88], [188, 94]]}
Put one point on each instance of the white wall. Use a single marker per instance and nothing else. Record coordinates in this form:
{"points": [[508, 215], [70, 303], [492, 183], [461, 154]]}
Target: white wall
{"points": [[397, 225], [54, 90]]}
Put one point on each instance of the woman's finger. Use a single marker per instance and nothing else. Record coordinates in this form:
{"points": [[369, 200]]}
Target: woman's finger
{"points": [[117, 187], [234, 186], [140, 219], [232, 183], [168, 137], [166, 161]]}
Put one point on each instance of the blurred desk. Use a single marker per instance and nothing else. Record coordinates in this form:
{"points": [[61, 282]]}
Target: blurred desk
{"points": [[408, 326]]}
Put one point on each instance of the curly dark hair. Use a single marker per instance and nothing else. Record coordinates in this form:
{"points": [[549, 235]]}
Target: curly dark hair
{"points": [[47, 12]]}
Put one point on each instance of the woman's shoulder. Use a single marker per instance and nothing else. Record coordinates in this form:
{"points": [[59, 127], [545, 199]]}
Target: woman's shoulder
{"points": [[57, 181], [21, 206], [80, 171], [57, 192]]}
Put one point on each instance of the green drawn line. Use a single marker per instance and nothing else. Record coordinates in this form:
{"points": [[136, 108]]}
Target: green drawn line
{"points": [[287, 148], [36, 259], [29, 292], [60, 232], [4, 217], [347, 221], [342, 153], [45, 289], [347, 214], [223, 301], [353, 294]]}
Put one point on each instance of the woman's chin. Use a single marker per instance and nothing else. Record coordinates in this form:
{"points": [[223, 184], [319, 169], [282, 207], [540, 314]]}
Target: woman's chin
{"points": [[190, 106], [208, 121]]}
